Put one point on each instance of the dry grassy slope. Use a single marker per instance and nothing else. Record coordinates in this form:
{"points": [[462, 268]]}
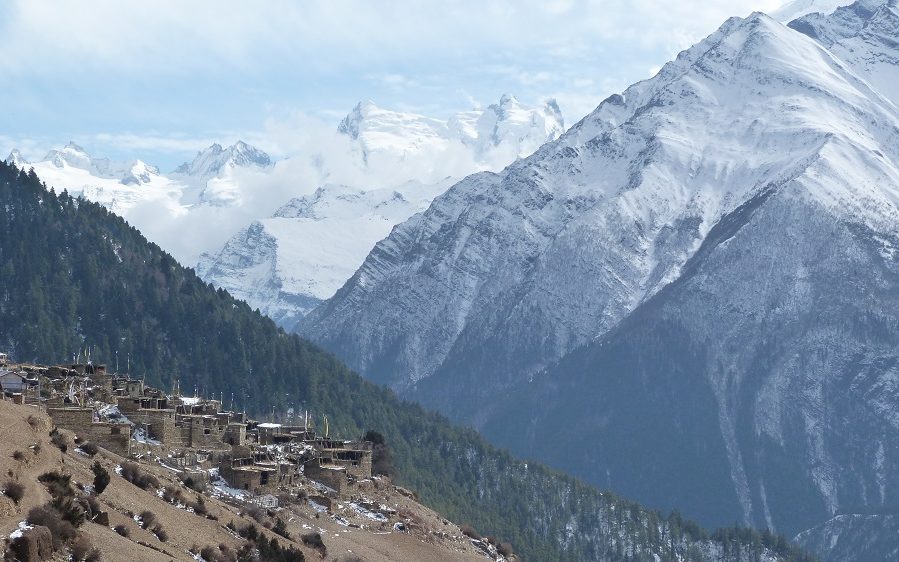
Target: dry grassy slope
{"points": [[431, 538]]}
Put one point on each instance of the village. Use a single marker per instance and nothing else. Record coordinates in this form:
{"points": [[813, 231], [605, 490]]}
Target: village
{"points": [[254, 461]]}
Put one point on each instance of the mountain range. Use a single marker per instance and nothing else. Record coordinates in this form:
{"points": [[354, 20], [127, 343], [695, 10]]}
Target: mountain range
{"points": [[698, 277], [77, 277], [286, 264], [284, 235]]}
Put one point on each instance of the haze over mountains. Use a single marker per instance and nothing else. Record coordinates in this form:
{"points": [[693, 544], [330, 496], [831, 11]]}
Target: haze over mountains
{"points": [[286, 264], [312, 217], [699, 277]]}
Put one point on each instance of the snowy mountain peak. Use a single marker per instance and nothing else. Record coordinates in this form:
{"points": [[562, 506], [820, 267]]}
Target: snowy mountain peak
{"points": [[15, 157], [507, 99], [863, 35], [216, 160], [494, 136], [140, 173], [72, 155], [632, 190], [799, 8]]}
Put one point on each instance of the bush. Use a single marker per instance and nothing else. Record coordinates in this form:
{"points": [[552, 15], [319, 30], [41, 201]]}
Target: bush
{"points": [[195, 485], [281, 528], [133, 473], [147, 518], [101, 477], [33, 421], [122, 530], [19, 456], [469, 532], [14, 491], [222, 553], [74, 510], [506, 549], [59, 485], [199, 506], [83, 551], [59, 440], [62, 530], [160, 533], [172, 495], [209, 553], [94, 505], [314, 540], [381, 456], [90, 449], [256, 513]]}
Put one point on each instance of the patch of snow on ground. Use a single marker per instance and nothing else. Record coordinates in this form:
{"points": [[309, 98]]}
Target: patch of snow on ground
{"points": [[20, 530], [369, 514], [140, 435], [221, 487], [317, 507]]}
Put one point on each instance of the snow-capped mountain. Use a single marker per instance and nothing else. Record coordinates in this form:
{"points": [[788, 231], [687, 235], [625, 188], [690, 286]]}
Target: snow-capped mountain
{"points": [[120, 186], [173, 210], [286, 264], [494, 135], [799, 8], [720, 239], [215, 160], [862, 35]]}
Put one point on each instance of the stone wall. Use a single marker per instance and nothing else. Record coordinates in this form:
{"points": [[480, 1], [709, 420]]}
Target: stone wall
{"points": [[115, 437]]}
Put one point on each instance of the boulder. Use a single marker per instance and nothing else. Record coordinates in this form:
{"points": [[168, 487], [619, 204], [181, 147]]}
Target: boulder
{"points": [[101, 518], [33, 545]]}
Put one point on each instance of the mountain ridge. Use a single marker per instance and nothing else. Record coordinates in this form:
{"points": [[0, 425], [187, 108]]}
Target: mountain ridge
{"points": [[504, 304]]}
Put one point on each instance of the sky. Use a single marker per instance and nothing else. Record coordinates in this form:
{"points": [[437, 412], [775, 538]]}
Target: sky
{"points": [[162, 79]]}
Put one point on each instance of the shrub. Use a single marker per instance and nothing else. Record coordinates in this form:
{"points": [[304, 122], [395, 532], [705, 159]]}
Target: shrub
{"points": [[14, 491], [33, 421], [172, 495], [94, 505], [90, 449], [209, 553], [314, 540], [195, 485], [133, 473], [506, 549], [59, 485], [101, 477], [222, 553], [147, 518], [199, 506], [59, 440], [160, 533], [122, 530], [82, 549], [256, 513], [469, 532], [281, 528], [62, 530], [74, 510], [19, 456], [381, 456]]}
